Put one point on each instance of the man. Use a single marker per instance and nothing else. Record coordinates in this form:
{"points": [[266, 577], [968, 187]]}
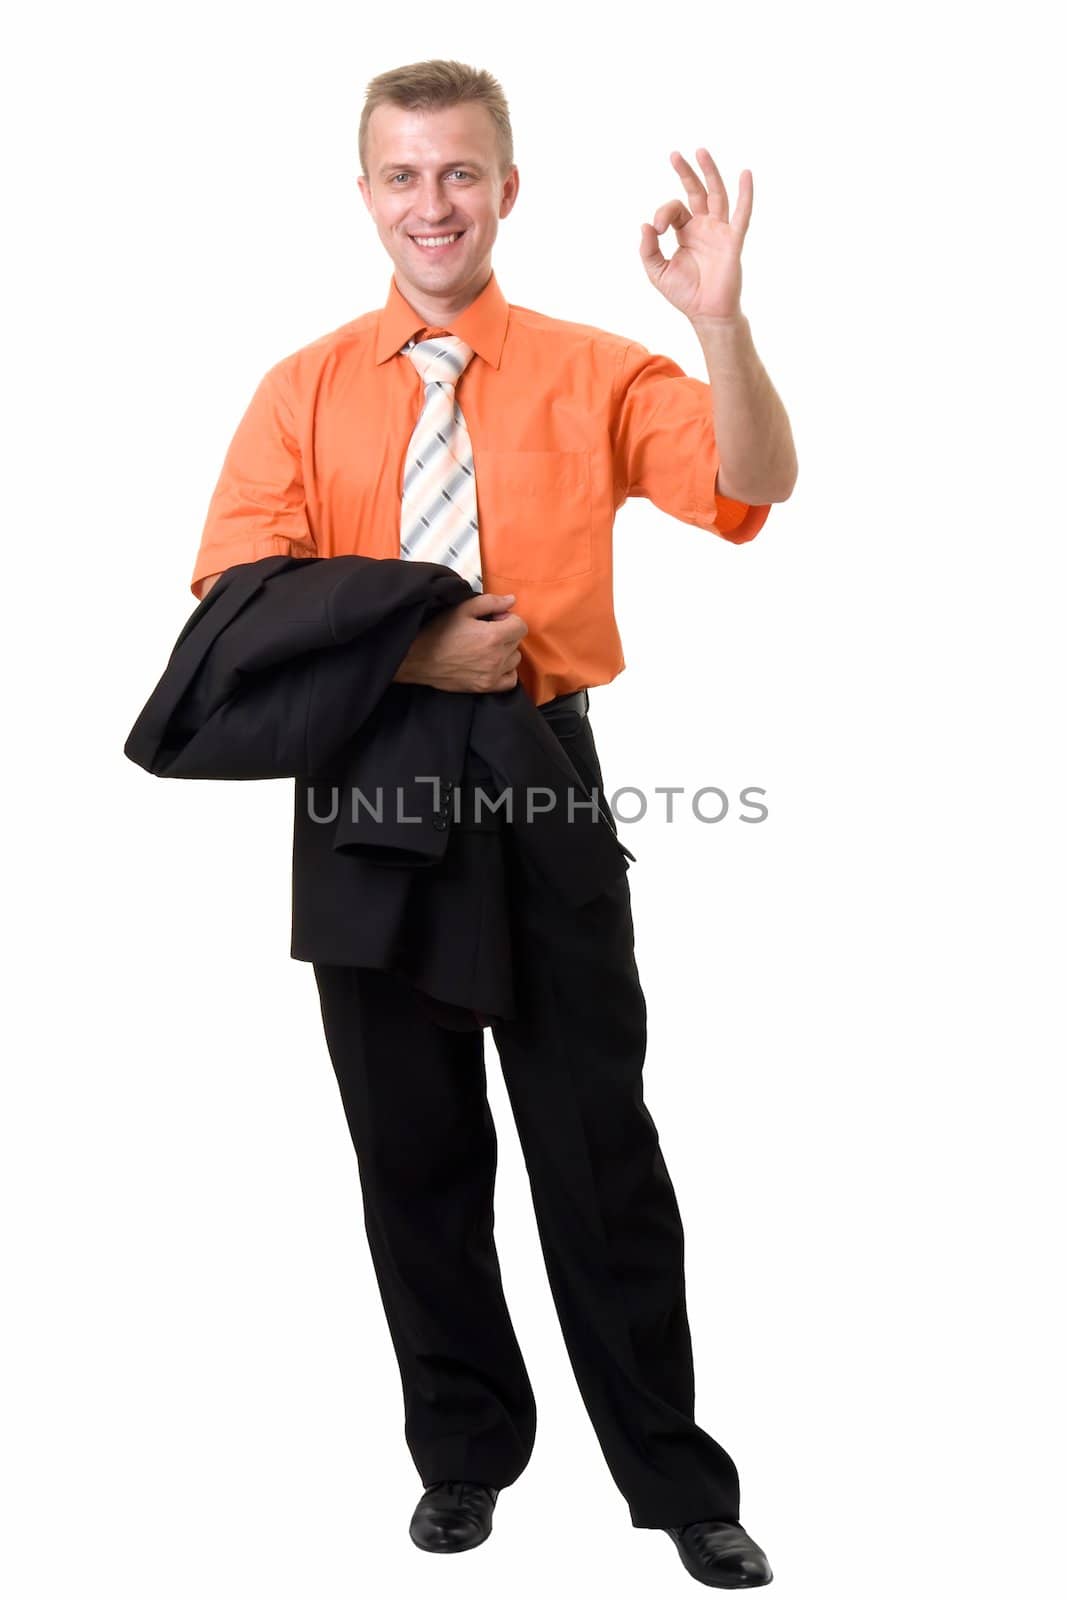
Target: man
{"points": [[453, 427]]}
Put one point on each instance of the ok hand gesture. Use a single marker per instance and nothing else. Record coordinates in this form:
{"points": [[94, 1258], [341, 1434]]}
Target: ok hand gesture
{"points": [[703, 276]]}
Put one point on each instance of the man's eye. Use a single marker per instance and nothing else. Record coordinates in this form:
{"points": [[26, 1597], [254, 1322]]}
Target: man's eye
{"points": [[462, 170]]}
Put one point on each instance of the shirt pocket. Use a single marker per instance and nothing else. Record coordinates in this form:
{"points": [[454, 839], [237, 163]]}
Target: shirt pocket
{"points": [[535, 514]]}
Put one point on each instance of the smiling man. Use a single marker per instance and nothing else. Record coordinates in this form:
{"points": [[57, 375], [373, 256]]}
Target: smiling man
{"points": [[452, 426]]}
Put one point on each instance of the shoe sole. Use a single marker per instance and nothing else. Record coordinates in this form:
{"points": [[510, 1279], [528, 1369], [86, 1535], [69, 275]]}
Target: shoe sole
{"points": [[449, 1549]]}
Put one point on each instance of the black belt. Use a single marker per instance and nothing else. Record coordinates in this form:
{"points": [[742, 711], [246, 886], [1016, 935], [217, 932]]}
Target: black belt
{"points": [[566, 705]]}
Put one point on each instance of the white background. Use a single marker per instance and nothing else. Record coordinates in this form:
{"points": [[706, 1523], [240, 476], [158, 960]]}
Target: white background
{"points": [[854, 1009]]}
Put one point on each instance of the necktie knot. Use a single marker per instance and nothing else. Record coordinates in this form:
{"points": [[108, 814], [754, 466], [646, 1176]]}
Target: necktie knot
{"points": [[442, 359]]}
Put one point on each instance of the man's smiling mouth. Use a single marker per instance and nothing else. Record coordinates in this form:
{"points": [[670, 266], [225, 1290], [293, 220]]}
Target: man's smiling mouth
{"points": [[431, 243]]}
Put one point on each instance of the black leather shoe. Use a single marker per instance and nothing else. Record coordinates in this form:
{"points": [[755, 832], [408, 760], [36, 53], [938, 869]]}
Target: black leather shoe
{"points": [[721, 1554], [453, 1515]]}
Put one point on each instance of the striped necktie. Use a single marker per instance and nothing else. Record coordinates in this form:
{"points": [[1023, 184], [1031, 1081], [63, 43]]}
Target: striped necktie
{"points": [[439, 507]]}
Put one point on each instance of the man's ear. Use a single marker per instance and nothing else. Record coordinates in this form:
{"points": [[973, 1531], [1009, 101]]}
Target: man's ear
{"points": [[508, 199]]}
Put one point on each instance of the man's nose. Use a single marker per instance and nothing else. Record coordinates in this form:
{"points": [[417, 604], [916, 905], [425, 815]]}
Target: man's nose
{"points": [[434, 203]]}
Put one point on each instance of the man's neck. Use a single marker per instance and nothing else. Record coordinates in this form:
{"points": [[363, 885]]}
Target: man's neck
{"points": [[439, 311]]}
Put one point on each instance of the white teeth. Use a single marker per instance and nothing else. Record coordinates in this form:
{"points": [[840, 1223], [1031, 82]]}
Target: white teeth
{"points": [[435, 244]]}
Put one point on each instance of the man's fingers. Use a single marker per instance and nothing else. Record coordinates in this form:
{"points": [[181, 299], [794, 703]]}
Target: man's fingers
{"points": [[651, 254], [510, 628], [671, 214], [480, 604], [695, 192]]}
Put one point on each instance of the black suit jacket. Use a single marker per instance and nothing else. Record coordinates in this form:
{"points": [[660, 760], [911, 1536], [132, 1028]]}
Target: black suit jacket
{"points": [[285, 669]]}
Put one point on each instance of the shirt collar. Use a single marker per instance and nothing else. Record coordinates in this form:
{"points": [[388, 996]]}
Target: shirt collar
{"points": [[482, 325]]}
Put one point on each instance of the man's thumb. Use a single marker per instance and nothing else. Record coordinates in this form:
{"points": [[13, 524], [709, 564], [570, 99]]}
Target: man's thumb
{"points": [[481, 604]]}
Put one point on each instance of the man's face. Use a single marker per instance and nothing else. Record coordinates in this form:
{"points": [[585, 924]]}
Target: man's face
{"points": [[436, 173]]}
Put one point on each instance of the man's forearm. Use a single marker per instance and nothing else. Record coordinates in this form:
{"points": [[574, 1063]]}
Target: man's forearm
{"points": [[757, 458]]}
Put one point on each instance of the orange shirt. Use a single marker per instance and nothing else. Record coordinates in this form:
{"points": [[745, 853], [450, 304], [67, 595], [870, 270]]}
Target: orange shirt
{"points": [[566, 422]]}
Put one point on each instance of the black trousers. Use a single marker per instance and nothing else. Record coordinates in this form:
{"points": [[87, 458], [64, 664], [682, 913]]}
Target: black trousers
{"points": [[414, 1097]]}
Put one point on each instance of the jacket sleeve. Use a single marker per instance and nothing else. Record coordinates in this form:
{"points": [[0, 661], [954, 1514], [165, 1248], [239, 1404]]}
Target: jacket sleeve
{"points": [[291, 673]]}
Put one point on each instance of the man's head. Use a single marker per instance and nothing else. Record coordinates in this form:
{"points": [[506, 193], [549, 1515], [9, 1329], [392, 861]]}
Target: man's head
{"points": [[436, 156]]}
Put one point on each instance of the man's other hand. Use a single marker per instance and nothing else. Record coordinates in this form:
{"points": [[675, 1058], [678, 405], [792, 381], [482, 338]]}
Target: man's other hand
{"points": [[469, 648]]}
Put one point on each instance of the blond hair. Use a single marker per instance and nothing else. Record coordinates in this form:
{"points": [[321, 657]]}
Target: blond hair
{"points": [[435, 85]]}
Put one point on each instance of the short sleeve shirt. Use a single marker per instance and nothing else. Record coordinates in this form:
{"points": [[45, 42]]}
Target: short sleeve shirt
{"points": [[566, 422]]}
